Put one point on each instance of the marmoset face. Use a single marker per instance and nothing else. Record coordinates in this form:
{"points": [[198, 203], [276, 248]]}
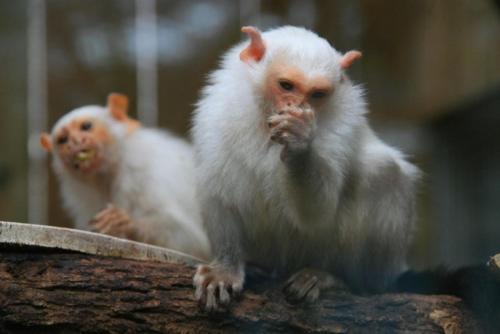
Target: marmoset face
{"points": [[81, 145], [288, 87]]}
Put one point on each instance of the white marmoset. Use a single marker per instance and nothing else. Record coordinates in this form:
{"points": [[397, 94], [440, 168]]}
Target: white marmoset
{"points": [[291, 176], [126, 180]]}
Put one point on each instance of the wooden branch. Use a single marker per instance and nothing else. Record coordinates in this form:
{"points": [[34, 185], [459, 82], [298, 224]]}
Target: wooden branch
{"points": [[25, 235], [46, 290]]}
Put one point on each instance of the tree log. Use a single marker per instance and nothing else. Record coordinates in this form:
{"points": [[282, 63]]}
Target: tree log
{"points": [[60, 291]]}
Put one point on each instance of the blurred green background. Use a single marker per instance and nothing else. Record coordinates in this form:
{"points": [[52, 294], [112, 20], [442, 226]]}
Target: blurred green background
{"points": [[431, 70]]}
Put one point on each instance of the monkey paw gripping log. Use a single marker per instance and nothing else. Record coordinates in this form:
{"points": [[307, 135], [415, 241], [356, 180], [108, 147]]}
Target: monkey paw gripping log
{"points": [[215, 285], [307, 284]]}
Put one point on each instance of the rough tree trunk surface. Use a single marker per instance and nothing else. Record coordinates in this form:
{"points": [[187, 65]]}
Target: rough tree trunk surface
{"points": [[45, 290]]}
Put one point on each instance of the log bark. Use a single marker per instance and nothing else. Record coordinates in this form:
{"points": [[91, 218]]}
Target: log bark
{"points": [[59, 291]]}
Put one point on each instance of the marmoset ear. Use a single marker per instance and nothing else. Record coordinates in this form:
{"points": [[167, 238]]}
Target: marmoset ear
{"points": [[349, 58], [46, 142], [255, 51], [118, 106]]}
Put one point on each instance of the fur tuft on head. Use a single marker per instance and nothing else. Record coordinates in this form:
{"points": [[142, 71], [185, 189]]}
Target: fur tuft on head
{"points": [[114, 115], [296, 46], [92, 111]]}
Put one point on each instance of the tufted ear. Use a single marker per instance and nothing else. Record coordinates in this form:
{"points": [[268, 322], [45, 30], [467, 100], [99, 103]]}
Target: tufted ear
{"points": [[348, 58], [46, 142], [255, 51], [118, 106]]}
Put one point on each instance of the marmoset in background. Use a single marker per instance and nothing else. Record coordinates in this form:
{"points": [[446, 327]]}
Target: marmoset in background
{"points": [[125, 180], [291, 176]]}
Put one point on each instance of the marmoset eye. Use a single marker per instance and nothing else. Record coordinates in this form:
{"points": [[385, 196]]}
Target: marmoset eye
{"points": [[286, 85], [319, 94], [86, 126], [62, 139]]}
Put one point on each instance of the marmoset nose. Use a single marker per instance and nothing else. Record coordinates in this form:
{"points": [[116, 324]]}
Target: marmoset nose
{"points": [[299, 101], [78, 141], [84, 140]]}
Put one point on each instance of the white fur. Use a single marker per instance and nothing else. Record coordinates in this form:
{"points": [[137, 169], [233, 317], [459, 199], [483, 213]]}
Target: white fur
{"points": [[153, 182], [353, 215]]}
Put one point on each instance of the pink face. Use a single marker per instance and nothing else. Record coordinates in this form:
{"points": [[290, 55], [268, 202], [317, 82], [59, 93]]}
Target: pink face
{"points": [[81, 143], [287, 86]]}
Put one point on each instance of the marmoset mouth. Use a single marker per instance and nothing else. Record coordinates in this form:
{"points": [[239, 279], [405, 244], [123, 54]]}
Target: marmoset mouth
{"points": [[84, 159], [84, 155]]}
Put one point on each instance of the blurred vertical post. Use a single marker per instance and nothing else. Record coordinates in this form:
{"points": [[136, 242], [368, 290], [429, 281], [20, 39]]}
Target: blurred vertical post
{"points": [[147, 61], [249, 12], [37, 112]]}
